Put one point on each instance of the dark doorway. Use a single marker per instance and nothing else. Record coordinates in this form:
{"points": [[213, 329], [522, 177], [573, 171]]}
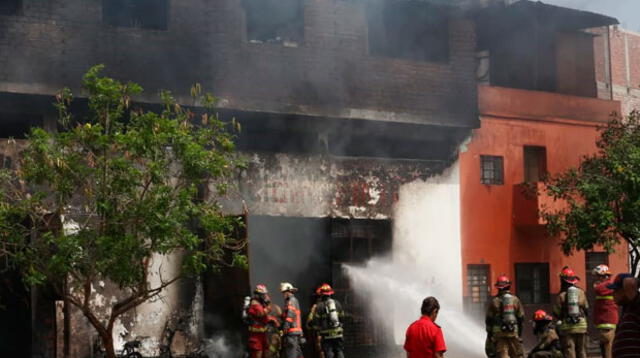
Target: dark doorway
{"points": [[15, 316], [354, 242], [224, 290], [285, 249]]}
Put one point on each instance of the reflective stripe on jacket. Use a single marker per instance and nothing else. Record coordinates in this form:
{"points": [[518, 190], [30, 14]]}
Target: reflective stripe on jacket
{"points": [[323, 320], [605, 310], [258, 317], [560, 311], [493, 318], [292, 324]]}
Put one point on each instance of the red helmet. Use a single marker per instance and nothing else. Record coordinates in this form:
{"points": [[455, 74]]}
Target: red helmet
{"points": [[325, 290], [567, 275], [261, 289], [541, 315], [503, 282]]}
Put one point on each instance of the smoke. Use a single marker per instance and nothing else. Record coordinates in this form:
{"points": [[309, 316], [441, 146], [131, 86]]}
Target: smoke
{"points": [[426, 261], [220, 347]]}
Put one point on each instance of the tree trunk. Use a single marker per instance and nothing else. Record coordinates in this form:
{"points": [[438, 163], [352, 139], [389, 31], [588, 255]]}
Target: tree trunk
{"points": [[107, 343], [67, 328]]}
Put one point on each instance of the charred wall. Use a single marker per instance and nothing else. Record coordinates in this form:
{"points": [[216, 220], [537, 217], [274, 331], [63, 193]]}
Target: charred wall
{"points": [[281, 184], [327, 71], [50, 44]]}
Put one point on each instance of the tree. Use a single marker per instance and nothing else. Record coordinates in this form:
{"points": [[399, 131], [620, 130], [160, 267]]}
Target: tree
{"points": [[102, 197], [600, 200]]}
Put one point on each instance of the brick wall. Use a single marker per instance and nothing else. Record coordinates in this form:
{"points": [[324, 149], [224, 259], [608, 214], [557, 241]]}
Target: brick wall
{"points": [[53, 42], [330, 74], [624, 74]]}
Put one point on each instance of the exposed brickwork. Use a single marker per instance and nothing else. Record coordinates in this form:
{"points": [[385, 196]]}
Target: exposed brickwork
{"points": [[625, 67], [54, 42], [331, 74]]}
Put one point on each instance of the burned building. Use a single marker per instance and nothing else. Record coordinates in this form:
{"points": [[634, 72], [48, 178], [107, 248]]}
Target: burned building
{"points": [[341, 102], [352, 114]]}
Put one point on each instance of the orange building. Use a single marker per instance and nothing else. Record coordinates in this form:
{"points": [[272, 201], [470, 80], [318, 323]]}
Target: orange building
{"points": [[539, 112], [523, 135]]}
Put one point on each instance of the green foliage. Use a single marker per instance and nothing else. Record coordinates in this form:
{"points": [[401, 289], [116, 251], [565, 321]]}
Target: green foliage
{"points": [[97, 199], [602, 195]]}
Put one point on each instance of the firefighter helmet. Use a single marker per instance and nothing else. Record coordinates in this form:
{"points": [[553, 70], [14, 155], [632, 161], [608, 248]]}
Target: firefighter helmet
{"points": [[602, 270], [326, 290], [541, 315], [287, 287], [503, 282], [567, 275], [261, 289]]}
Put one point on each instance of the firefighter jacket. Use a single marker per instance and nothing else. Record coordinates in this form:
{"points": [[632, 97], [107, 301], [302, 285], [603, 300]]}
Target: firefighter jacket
{"points": [[494, 321], [258, 316], [605, 310], [327, 327], [548, 341], [291, 317], [560, 311]]}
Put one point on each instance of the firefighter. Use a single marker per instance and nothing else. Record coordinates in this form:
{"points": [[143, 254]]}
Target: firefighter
{"points": [[548, 341], [605, 310], [571, 309], [256, 315], [504, 321], [313, 330], [273, 331], [328, 319], [291, 322]]}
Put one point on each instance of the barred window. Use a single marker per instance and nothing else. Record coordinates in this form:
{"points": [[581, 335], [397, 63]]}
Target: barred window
{"points": [[10, 7], [144, 14], [413, 30], [275, 21], [491, 170], [532, 282]]}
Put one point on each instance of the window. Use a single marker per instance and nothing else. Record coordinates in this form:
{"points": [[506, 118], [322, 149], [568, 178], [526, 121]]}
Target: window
{"points": [[10, 7], [414, 30], [275, 21], [491, 170], [532, 282], [535, 163], [478, 289], [145, 14]]}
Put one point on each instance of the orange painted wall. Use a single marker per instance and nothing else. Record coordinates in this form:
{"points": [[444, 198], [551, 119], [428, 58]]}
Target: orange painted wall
{"points": [[510, 120]]}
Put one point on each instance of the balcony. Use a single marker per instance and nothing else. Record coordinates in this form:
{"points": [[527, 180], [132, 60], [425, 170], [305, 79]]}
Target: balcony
{"points": [[529, 199], [543, 106]]}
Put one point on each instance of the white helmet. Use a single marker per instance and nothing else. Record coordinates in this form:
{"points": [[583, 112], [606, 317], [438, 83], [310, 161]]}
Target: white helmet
{"points": [[287, 287], [601, 270]]}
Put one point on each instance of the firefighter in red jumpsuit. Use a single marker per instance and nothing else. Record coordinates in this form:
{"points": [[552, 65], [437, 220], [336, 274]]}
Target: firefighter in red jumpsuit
{"points": [[258, 314]]}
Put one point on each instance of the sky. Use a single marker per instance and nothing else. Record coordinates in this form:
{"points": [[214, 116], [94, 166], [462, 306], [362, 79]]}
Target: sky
{"points": [[626, 11]]}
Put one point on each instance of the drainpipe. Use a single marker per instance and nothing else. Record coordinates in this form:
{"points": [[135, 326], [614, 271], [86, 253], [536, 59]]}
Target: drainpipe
{"points": [[610, 61]]}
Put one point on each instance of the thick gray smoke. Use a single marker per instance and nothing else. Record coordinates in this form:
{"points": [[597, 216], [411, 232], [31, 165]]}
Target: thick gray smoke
{"points": [[626, 11]]}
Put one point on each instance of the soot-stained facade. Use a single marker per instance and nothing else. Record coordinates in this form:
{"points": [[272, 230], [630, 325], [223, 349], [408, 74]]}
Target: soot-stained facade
{"points": [[337, 114]]}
